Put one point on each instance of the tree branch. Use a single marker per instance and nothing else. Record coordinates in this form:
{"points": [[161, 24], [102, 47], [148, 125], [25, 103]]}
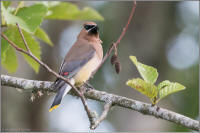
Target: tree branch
{"points": [[104, 114], [101, 96], [29, 53]]}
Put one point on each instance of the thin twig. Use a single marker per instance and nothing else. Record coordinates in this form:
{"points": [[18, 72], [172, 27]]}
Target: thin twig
{"points": [[104, 114], [128, 22], [22, 35], [89, 113], [13, 44], [101, 96], [115, 44]]}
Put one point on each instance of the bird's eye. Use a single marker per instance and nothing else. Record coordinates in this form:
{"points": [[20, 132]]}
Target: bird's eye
{"points": [[87, 27]]}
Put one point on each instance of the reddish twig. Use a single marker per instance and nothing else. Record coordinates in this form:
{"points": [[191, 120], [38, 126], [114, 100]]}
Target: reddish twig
{"points": [[115, 44], [128, 22]]}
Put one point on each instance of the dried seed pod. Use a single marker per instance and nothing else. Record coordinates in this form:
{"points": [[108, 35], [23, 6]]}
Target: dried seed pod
{"points": [[113, 59], [117, 67]]}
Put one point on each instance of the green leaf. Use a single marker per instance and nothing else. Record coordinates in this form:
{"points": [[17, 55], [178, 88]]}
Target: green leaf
{"points": [[148, 73], [35, 49], [4, 48], [163, 84], [9, 61], [143, 87], [41, 34], [13, 34], [49, 3], [28, 18], [20, 5], [166, 87], [32, 15], [8, 56], [69, 11], [11, 19], [6, 3], [11, 10]]}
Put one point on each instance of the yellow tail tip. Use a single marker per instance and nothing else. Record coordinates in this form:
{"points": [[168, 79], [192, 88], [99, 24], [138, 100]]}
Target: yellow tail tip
{"points": [[54, 107]]}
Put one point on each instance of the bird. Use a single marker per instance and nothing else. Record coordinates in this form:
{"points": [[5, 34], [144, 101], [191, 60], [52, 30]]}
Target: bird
{"points": [[83, 58]]}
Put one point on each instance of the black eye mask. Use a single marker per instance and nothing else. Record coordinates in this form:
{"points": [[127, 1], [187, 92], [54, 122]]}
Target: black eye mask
{"points": [[87, 27]]}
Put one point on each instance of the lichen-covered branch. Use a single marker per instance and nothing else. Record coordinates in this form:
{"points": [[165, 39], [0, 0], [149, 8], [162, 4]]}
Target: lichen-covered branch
{"points": [[104, 114], [124, 102]]}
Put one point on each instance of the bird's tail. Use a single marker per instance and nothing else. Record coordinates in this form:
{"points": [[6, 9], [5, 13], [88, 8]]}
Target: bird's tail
{"points": [[63, 88]]}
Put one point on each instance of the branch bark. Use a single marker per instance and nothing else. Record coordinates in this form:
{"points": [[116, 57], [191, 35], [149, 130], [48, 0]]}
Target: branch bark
{"points": [[29, 53], [101, 96], [104, 114]]}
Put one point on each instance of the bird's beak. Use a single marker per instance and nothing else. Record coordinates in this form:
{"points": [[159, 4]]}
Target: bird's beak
{"points": [[94, 30]]}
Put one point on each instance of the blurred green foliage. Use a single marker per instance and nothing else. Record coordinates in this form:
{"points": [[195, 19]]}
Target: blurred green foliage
{"points": [[68, 11], [41, 34], [29, 19]]}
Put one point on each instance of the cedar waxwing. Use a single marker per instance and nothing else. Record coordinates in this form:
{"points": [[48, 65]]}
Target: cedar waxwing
{"points": [[79, 63]]}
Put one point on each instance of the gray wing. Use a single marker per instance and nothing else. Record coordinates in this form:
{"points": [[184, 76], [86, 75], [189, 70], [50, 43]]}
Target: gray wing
{"points": [[75, 59], [73, 66]]}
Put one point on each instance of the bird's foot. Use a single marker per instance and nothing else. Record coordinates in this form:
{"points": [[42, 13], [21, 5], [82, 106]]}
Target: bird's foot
{"points": [[88, 85]]}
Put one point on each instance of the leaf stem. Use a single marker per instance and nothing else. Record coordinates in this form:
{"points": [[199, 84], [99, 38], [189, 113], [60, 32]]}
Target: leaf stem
{"points": [[20, 5]]}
